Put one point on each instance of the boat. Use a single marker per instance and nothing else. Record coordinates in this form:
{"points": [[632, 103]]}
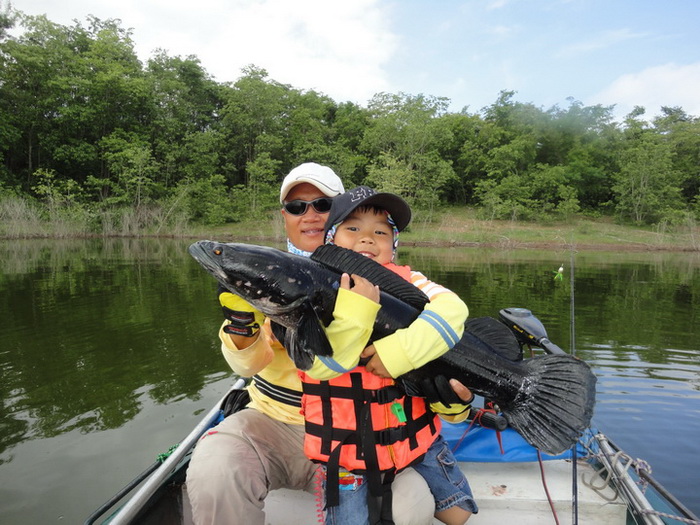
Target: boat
{"points": [[593, 483]]}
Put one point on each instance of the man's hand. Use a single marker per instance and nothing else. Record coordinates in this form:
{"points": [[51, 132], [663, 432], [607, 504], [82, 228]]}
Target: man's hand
{"points": [[439, 389], [245, 319], [463, 393]]}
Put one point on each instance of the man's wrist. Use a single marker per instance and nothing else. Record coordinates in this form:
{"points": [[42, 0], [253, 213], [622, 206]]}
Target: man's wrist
{"points": [[242, 331]]}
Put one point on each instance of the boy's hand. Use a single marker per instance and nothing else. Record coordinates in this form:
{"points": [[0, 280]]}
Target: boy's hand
{"points": [[360, 286], [375, 365]]}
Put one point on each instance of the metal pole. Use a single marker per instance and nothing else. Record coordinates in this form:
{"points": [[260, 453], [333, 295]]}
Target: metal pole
{"points": [[132, 507]]}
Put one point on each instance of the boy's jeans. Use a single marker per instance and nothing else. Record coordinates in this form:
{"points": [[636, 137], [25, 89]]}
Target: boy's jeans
{"points": [[439, 469], [414, 506]]}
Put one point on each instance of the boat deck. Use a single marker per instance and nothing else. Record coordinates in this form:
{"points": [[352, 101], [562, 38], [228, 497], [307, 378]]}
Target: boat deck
{"points": [[505, 493]]}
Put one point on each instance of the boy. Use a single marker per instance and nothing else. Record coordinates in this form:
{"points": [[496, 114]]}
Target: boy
{"points": [[358, 423]]}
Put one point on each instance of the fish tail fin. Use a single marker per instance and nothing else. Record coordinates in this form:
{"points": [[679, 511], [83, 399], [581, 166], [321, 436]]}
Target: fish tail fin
{"points": [[560, 405]]}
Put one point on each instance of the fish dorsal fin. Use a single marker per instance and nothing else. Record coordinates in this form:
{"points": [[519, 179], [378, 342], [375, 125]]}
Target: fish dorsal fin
{"points": [[346, 261], [497, 335]]}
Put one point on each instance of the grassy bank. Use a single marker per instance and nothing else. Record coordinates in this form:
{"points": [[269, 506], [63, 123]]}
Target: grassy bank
{"points": [[460, 227], [447, 227]]}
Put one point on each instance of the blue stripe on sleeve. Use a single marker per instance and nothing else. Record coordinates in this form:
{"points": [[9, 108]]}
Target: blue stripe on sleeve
{"points": [[442, 327], [332, 364]]}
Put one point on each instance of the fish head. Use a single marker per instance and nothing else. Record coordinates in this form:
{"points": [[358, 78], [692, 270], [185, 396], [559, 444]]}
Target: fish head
{"points": [[273, 281]]}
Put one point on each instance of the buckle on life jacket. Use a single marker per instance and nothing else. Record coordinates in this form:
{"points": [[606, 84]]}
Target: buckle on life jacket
{"points": [[387, 394], [389, 436]]}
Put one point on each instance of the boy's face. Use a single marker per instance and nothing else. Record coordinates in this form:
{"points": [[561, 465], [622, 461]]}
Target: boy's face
{"points": [[367, 232]]}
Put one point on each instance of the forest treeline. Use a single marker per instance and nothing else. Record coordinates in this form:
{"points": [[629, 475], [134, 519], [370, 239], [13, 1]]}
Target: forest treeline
{"points": [[90, 135]]}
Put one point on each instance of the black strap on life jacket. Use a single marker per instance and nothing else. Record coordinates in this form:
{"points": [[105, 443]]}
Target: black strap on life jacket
{"points": [[362, 398], [380, 509], [365, 438]]}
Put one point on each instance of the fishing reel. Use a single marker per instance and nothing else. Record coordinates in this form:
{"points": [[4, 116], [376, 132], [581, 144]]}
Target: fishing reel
{"points": [[528, 329]]}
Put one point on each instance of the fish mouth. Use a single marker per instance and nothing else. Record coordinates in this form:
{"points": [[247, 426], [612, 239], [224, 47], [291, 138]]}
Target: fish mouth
{"points": [[206, 253], [202, 251]]}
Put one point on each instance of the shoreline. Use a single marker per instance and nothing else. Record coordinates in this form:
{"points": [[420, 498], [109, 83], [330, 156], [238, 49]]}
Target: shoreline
{"points": [[505, 244]]}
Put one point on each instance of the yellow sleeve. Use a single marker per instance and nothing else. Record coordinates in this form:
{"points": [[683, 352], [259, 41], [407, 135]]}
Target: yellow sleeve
{"points": [[437, 329], [248, 361], [348, 334]]}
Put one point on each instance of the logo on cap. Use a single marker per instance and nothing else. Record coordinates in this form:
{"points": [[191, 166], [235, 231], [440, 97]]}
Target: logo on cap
{"points": [[361, 193]]}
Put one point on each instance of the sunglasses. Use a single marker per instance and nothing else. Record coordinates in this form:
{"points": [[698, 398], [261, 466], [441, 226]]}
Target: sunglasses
{"points": [[299, 207]]}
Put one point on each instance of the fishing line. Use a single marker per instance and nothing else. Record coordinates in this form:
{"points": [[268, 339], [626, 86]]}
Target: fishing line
{"points": [[572, 304], [572, 312]]}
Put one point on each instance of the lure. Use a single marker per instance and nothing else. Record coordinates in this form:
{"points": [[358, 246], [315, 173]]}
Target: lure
{"points": [[559, 274]]}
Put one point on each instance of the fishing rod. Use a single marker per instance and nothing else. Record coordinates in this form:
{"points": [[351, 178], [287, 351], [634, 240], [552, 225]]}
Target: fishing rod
{"points": [[574, 468], [530, 331]]}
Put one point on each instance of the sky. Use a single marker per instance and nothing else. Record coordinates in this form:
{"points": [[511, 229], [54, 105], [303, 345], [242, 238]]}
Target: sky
{"points": [[625, 53]]}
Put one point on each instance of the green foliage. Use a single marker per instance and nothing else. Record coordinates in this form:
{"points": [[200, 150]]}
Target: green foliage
{"points": [[262, 191], [101, 138], [208, 201], [541, 193], [420, 183], [134, 171], [54, 191], [646, 186]]}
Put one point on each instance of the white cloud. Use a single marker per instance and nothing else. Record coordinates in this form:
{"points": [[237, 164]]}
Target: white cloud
{"points": [[601, 41], [496, 4], [666, 85], [340, 49], [501, 30]]}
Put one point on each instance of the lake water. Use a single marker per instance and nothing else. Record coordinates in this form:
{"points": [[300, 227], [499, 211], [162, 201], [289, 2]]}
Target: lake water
{"points": [[109, 355]]}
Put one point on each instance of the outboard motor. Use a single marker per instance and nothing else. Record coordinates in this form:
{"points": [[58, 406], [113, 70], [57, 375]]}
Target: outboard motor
{"points": [[528, 329]]}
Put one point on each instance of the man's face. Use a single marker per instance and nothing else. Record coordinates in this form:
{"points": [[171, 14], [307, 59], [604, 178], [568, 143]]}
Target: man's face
{"points": [[305, 231]]}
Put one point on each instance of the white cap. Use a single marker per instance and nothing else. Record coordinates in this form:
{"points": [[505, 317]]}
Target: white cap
{"points": [[322, 177]]}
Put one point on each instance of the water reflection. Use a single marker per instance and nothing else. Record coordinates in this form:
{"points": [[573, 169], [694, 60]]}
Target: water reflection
{"points": [[99, 335], [89, 323]]}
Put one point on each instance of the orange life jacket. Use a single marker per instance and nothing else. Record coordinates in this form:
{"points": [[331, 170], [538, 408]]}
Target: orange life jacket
{"points": [[365, 424]]}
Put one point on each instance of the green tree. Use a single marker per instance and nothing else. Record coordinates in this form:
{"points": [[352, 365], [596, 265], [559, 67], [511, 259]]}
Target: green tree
{"points": [[646, 188], [683, 134], [540, 193], [263, 188], [27, 97], [511, 140], [465, 151], [133, 170], [65, 89], [185, 124], [252, 120], [403, 139]]}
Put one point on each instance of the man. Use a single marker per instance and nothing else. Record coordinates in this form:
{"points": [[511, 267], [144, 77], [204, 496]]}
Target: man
{"points": [[259, 449]]}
